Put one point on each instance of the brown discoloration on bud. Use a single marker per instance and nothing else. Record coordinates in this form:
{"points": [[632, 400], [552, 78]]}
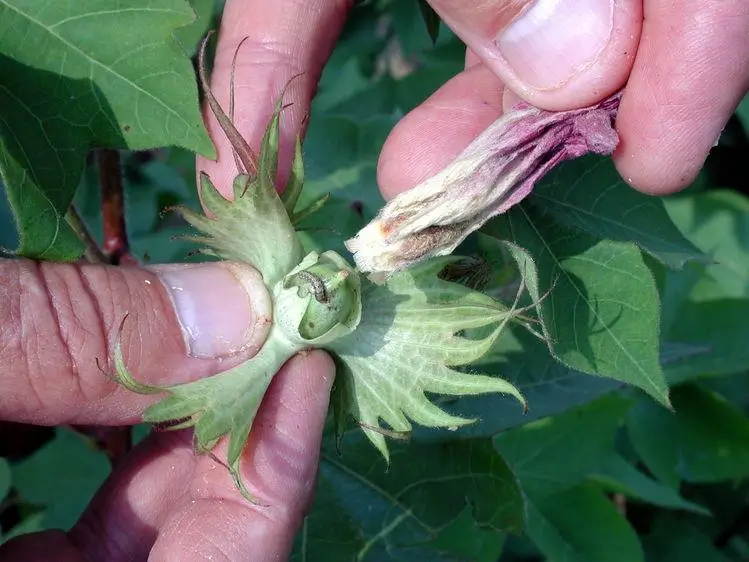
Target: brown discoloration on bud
{"points": [[420, 244]]}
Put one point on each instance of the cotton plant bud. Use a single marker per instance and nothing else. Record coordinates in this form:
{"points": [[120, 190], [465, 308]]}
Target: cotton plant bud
{"points": [[320, 299], [496, 171]]}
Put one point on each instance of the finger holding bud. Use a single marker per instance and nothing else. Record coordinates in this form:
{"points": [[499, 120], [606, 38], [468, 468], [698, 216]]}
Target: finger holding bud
{"points": [[496, 171]]}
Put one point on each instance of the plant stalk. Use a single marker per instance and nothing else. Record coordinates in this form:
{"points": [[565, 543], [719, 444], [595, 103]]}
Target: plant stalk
{"points": [[93, 253], [116, 244]]}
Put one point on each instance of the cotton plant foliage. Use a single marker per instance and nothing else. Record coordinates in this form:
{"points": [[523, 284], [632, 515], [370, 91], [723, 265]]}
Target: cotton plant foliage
{"points": [[395, 337]]}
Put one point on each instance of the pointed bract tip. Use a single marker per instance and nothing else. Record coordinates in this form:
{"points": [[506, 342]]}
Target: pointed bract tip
{"points": [[239, 483]]}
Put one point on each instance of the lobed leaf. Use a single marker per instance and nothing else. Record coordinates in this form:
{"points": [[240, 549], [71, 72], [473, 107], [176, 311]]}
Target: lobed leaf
{"points": [[717, 329], [597, 294], [557, 453], [405, 345], [431, 20], [405, 513], [581, 524], [718, 223], [617, 475], [79, 470], [79, 75], [705, 440], [676, 540]]}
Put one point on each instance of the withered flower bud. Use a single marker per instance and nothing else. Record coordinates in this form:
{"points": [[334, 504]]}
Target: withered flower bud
{"points": [[496, 171]]}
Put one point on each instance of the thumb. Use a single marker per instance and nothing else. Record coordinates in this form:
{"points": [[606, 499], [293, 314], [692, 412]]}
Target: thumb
{"points": [[555, 54], [59, 324]]}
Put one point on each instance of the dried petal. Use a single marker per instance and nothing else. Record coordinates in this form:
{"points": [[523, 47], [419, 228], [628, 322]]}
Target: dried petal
{"points": [[496, 171]]}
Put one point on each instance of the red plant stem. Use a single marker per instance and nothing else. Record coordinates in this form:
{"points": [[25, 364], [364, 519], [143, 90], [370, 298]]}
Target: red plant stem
{"points": [[116, 245]]}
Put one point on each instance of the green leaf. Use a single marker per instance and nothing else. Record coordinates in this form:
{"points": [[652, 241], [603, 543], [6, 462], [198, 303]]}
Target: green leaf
{"points": [[431, 20], [190, 35], [340, 160], [617, 475], [315, 541], [556, 453], [678, 541], [718, 328], [734, 388], [348, 80], [43, 232], [30, 524], [742, 112], [650, 432], [718, 223], [582, 525], [8, 234], [598, 302], [403, 513], [78, 471], [588, 194], [74, 76], [405, 345], [675, 287], [5, 478], [467, 541], [705, 440]]}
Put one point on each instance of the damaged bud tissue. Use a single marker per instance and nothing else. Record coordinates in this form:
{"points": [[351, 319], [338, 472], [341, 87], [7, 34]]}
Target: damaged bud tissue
{"points": [[496, 171]]}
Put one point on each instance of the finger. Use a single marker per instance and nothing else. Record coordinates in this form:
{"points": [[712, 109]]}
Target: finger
{"points": [[284, 39], [123, 519], [279, 466], [40, 547], [692, 69], [555, 54], [164, 493], [509, 98], [58, 321], [433, 134]]}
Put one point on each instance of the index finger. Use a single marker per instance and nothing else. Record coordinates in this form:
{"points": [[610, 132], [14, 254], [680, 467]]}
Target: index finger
{"points": [[280, 40]]}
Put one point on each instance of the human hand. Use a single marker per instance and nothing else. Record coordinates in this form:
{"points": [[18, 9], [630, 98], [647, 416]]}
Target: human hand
{"points": [[686, 66], [685, 63], [56, 320], [163, 502]]}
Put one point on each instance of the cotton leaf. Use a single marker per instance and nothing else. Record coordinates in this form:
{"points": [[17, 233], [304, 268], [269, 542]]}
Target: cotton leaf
{"points": [[407, 341]]}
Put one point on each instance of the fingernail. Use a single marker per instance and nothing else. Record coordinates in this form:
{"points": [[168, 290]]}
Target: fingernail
{"points": [[554, 40], [223, 309]]}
